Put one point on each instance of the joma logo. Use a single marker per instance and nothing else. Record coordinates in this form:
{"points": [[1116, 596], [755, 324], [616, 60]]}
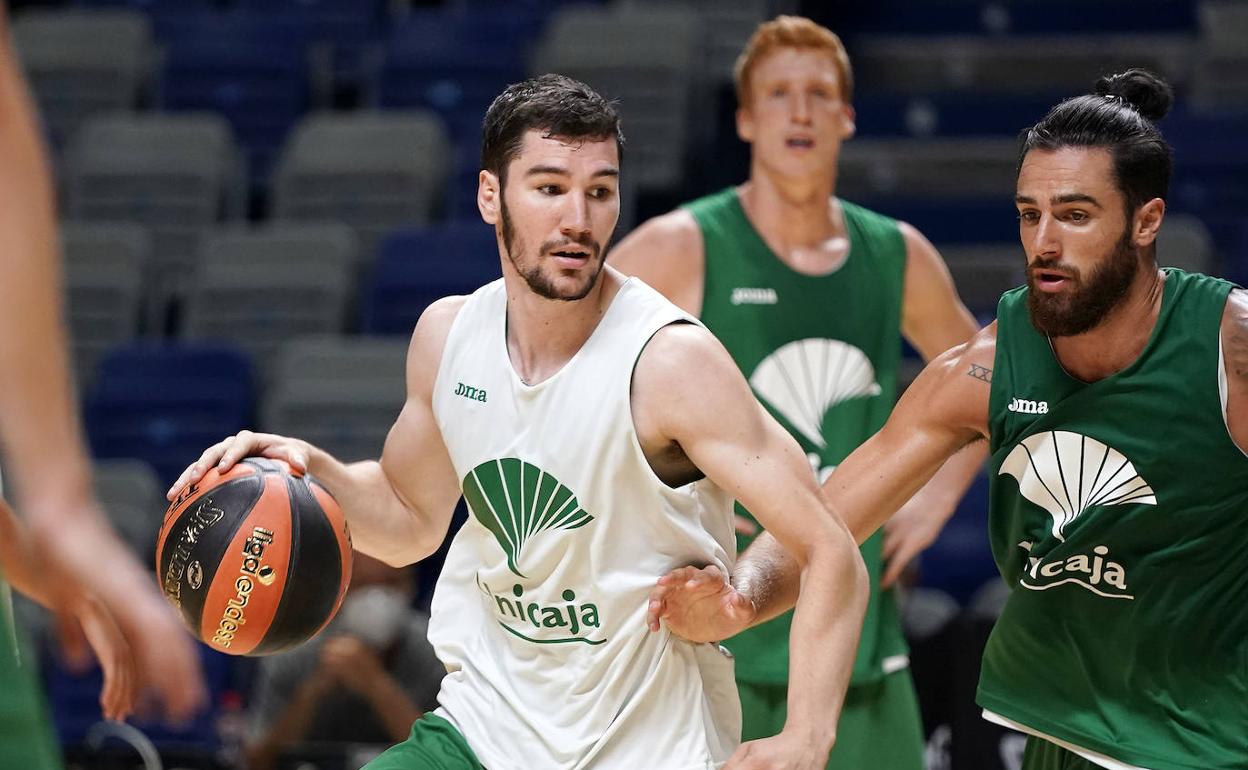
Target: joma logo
{"points": [[1027, 406], [469, 392]]}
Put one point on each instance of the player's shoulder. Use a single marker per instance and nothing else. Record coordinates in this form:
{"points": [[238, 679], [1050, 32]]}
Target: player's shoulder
{"points": [[963, 365], [671, 236], [1235, 332], [424, 352], [683, 352]]}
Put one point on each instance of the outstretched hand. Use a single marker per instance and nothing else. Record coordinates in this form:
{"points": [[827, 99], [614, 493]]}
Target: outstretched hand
{"points": [[699, 604]]}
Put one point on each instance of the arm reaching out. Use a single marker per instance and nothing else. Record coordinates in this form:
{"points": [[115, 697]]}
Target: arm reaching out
{"points": [[945, 410], [398, 507], [687, 390]]}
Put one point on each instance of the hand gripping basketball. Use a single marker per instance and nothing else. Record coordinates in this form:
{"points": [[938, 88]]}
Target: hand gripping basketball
{"points": [[256, 558], [224, 454]]}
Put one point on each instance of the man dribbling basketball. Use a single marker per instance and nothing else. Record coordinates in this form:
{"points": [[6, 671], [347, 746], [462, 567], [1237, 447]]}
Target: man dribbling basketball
{"points": [[599, 435]]}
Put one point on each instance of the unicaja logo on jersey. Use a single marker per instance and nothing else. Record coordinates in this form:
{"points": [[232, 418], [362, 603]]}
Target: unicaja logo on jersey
{"points": [[516, 501], [1067, 473], [804, 379]]}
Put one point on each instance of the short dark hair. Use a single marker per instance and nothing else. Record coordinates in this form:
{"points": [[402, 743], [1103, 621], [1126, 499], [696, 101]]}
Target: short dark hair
{"points": [[1119, 117], [555, 104]]}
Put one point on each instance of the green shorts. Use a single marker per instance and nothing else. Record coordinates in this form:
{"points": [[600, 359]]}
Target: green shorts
{"points": [[26, 741], [880, 724], [434, 744], [1042, 755]]}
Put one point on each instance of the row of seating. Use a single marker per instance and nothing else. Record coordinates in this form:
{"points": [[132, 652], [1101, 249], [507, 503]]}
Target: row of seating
{"points": [[165, 402]]}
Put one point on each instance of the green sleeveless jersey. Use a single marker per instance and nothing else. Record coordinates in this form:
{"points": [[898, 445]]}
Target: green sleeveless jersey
{"points": [[821, 353], [1118, 518], [25, 739]]}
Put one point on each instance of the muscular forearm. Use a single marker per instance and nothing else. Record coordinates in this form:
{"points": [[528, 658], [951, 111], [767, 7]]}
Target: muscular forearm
{"points": [[823, 641], [382, 524]]}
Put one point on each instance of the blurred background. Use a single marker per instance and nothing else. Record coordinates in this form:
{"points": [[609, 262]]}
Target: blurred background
{"points": [[259, 198]]}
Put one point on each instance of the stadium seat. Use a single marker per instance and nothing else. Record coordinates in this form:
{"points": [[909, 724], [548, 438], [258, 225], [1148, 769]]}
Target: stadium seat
{"points": [[373, 171], [983, 272], [416, 266], [1048, 66], [257, 288], [104, 265], [649, 59], [960, 167], [1018, 17], [165, 403], [345, 26], [341, 393], [254, 69], [83, 62], [134, 500], [175, 174]]}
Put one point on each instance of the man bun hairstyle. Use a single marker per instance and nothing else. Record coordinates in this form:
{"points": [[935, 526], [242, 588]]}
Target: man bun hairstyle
{"points": [[1151, 96], [1119, 117], [556, 105]]}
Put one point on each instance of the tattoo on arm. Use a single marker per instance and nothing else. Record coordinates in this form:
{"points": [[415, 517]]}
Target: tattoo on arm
{"points": [[1237, 351], [980, 373]]}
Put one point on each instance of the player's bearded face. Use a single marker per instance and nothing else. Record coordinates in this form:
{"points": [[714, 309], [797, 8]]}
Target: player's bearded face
{"points": [[534, 265], [1090, 298]]}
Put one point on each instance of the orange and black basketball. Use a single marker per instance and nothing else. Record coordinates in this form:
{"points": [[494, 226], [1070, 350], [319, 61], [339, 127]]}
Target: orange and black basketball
{"points": [[256, 559]]}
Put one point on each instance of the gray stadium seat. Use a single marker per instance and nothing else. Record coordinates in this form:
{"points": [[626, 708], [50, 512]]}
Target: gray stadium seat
{"points": [[983, 272], [1185, 242], [176, 174], [103, 286], [957, 167], [649, 58], [1058, 65], [1220, 72], [341, 393], [83, 62], [134, 500], [373, 171], [258, 288]]}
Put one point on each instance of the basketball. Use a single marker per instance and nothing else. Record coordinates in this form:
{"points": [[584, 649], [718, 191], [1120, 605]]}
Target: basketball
{"points": [[255, 559]]}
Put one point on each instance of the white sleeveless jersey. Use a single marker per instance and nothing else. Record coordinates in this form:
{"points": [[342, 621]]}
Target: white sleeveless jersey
{"points": [[539, 613]]}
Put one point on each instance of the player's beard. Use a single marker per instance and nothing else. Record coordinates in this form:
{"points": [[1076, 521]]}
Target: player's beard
{"points": [[1090, 299], [540, 283]]}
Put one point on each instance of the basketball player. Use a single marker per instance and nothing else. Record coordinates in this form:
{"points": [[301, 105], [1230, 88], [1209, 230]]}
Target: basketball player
{"points": [[811, 294], [68, 543], [599, 435], [1114, 399]]}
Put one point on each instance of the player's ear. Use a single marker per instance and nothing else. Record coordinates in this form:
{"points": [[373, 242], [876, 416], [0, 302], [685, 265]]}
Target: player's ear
{"points": [[745, 125], [848, 124], [1147, 222], [489, 192]]}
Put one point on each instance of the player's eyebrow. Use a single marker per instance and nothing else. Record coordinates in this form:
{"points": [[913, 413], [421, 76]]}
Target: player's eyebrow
{"points": [[1057, 200]]}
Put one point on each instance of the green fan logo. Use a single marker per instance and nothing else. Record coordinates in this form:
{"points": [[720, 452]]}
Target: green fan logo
{"points": [[516, 500]]}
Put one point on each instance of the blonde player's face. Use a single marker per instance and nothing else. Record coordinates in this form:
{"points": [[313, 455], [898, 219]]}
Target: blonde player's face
{"points": [[796, 118], [557, 212], [1071, 218]]}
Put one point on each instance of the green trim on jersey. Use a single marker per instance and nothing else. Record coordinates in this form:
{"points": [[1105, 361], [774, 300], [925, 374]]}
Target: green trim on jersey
{"points": [[1117, 518], [822, 354], [26, 741], [434, 743]]}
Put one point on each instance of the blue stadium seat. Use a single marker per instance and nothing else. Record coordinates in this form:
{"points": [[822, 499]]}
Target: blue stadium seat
{"points": [[947, 114], [166, 403], [461, 191], [433, 60], [348, 26], [419, 265], [1016, 17], [251, 68], [953, 220], [73, 698]]}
